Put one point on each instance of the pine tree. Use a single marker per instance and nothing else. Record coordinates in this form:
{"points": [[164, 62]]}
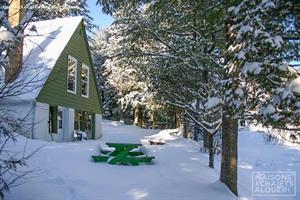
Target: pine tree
{"points": [[193, 64], [122, 83], [259, 62], [154, 35], [260, 83]]}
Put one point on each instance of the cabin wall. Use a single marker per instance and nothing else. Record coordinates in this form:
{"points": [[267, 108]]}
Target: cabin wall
{"points": [[41, 126], [24, 112], [35, 125], [98, 126], [41, 122]]}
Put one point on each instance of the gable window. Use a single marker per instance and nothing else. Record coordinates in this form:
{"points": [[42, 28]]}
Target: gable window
{"points": [[72, 74], [85, 81]]}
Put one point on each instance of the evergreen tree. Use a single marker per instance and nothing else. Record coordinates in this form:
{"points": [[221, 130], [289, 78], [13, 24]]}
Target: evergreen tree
{"points": [[119, 79], [259, 80], [193, 64], [259, 62], [177, 65]]}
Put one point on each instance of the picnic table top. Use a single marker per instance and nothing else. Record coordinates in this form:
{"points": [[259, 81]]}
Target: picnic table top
{"points": [[123, 155], [122, 145]]}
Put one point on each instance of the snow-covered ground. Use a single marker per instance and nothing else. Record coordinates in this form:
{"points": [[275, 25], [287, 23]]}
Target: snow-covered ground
{"points": [[65, 170], [257, 156]]}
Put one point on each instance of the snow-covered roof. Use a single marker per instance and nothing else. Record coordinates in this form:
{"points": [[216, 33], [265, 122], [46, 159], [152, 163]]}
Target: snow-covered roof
{"points": [[44, 42]]}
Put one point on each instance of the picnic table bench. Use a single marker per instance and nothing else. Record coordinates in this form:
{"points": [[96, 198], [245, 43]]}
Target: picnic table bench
{"points": [[123, 154]]}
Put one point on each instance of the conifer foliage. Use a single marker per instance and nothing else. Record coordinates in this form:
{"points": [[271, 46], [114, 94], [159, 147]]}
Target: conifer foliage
{"points": [[216, 61]]}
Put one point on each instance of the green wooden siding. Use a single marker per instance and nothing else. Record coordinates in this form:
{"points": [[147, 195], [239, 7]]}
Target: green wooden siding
{"points": [[55, 92]]}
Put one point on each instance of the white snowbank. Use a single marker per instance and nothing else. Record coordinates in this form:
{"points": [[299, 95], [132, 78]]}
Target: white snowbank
{"points": [[180, 172], [165, 135]]}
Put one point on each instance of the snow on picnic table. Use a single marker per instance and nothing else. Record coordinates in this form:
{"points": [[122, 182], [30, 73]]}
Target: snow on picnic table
{"points": [[65, 170]]}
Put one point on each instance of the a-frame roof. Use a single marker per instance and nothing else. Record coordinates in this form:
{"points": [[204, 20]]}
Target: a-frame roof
{"points": [[44, 42]]}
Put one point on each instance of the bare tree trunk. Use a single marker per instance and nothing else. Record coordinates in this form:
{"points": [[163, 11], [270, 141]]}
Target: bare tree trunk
{"points": [[122, 116], [229, 152], [177, 117], [110, 111], [196, 127], [211, 162], [196, 131], [206, 135], [184, 126], [173, 118], [152, 118], [138, 116]]}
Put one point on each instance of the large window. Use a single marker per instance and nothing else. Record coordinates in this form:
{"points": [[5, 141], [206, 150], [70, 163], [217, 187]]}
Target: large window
{"points": [[72, 74], [85, 81]]}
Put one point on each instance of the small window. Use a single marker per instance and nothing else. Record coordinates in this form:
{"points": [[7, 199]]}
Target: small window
{"points": [[72, 74], [85, 81], [52, 119]]}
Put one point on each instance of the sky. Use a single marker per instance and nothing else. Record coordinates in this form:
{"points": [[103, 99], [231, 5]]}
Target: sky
{"points": [[100, 19]]}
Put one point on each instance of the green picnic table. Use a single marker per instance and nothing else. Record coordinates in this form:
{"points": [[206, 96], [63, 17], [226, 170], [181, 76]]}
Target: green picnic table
{"points": [[123, 154]]}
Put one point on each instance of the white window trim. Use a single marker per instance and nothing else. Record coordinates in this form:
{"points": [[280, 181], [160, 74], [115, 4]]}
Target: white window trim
{"points": [[72, 58], [88, 80]]}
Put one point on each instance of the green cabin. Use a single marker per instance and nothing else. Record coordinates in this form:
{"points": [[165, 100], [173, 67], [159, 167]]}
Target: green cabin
{"points": [[60, 94]]}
